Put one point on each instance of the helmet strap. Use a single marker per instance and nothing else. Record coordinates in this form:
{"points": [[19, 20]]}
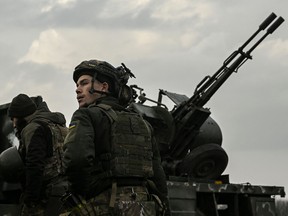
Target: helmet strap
{"points": [[92, 90]]}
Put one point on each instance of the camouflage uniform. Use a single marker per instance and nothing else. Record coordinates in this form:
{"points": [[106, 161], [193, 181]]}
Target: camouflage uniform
{"points": [[96, 188], [41, 148]]}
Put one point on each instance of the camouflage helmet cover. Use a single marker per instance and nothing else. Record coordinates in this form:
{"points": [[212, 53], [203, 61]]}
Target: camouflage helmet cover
{"points": [[91, 67], [104, 72]]}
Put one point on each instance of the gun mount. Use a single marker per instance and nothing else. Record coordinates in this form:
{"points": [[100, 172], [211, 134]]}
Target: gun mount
{"points": [[190, 140]]}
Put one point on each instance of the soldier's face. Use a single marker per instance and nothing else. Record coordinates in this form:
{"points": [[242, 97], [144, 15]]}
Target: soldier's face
{"points": [[83, 85], [18, 125]]}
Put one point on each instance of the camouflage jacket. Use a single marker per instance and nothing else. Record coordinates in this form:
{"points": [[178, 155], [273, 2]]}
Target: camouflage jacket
{"points": [[41, 148]]}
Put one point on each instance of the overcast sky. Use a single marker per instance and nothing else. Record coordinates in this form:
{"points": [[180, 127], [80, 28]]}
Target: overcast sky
{"points": [[170, 45]]}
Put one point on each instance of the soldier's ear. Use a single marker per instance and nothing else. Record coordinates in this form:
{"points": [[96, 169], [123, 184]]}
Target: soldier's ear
{"points": [[105, 87]]}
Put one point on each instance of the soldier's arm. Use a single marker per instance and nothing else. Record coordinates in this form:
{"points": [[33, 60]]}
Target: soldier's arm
{"points": [[34, 137], [79, 150]]}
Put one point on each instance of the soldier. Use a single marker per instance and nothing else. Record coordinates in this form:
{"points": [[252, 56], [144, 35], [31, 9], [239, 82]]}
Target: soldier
{"points": [[111, 157], [41, 134]]}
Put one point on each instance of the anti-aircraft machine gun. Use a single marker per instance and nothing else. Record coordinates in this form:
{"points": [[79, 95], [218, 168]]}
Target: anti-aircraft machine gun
{"points": [[190, 146]]}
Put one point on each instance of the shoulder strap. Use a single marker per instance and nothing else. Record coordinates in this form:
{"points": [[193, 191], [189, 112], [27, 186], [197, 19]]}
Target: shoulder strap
{"points": [[107, 109]]}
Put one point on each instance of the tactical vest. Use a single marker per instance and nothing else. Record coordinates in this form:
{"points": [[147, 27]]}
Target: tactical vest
{"points": [[131, 145], [54, 164]]}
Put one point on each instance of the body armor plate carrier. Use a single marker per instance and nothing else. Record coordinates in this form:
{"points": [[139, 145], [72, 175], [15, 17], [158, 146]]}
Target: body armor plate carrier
{"points": [[131, 145], [54, 164]]}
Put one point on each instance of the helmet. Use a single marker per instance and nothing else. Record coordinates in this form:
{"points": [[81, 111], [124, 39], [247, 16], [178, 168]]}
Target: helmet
{"points": [[102, 71], [11, 165], [92, 67]]}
